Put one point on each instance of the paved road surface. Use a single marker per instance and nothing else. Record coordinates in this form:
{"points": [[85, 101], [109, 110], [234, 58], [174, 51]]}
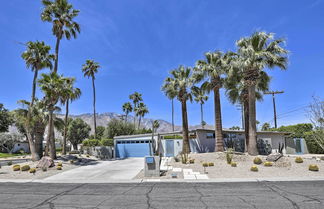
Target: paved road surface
{"points": [[278, 195], [103, 171]]}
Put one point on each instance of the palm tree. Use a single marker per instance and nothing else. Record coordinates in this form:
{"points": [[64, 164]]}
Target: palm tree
{"points": [[256, 53], [37, 57], [171, 94], [140, 111], [181, 81], [237, 93], [70, 94], [90, 68], [136, 98], [52, 85], [200, 97], [213, 69], [61, 14], [127, 108]]}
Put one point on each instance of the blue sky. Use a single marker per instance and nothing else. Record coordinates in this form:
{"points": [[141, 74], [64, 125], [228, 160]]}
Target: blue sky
{"points": [[138, 42]]}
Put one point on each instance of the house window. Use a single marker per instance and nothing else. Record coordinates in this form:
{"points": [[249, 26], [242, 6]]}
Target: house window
{"points": [[210, 135]]}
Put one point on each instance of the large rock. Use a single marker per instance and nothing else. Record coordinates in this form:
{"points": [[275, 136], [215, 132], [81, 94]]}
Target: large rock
{"points": [[274, 157], [45, 162]]}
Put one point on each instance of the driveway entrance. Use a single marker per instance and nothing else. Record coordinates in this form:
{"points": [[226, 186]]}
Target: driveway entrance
{"points": [[103, 171]]}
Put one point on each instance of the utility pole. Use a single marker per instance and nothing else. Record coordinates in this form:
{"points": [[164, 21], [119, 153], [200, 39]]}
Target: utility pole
{"points": [[240, 107], [274, 104]]}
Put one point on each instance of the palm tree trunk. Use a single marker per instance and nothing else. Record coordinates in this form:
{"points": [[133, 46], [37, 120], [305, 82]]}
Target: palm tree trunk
{"points": [[185, 129], [218, 122], [252, 149], [94, 108], [139, 122], [57, 47], [34, 154], [65, 126], [202, 115], [49, 134], [126, 117], [34, 88], [39, 137], [246, 122], [172, 104]]}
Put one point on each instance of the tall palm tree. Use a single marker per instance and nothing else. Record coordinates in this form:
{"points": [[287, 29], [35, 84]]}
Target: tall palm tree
{"points": [[127, 108], [52, 85], [237, 93], [213, 68], [90, 68], [181, 81], [70, 94], [256, 53], [171, 94], [200, 97], [140, 111], [136, 98], [37, 57], [61, 14]]}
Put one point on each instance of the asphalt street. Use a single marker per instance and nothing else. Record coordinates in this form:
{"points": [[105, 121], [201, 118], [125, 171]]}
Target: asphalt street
{"points": [[279, 195]]}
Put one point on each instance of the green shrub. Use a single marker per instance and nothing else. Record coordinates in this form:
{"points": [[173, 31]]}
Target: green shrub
{"points": [[9, 163], [312, 145], [44, 169], [233, 164], [59, 168], [205, 164], [25, 168], [32, 170], [254, 168], [184, 158], [16, 168], [229, 155], [176, 159], [210, 164], [74, 152], [313, 167], [107, 142], [91, 142], [87, 155], [60, 164], [299, 160], [192, 161], [257, 160], [268, 164], [172, 137]]}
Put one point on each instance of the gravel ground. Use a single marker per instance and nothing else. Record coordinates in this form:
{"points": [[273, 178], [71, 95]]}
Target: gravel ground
{"points": [[284, 167], [6, 172]]}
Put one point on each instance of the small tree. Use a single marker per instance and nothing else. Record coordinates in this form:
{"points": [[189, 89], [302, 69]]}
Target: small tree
{"points": [[78, 131], [5, 119], [265, 127], [117, 127], [316, 115], [100, 132]]}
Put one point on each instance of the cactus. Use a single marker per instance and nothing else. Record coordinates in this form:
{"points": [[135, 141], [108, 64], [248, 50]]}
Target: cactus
{"points": [[229, 155], [254, 168], [59, 168], [32, 170], [313, 167], [257, 161], [233, 164], [9, 163], [192, 161], [210, 164], [16, 168], [60, 164], [25, 168], [268, 164], [299, 160]]}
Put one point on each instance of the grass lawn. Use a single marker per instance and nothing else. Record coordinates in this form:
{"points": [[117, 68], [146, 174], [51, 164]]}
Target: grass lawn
{"points": [[5, 155]]}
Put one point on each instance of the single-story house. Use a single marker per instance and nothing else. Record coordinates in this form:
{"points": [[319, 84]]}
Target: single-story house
{"points": [[203, 140]]}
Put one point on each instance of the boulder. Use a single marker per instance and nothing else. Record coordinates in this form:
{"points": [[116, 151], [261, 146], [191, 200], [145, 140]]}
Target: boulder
{"points": [[274, 157], [45, 162]]}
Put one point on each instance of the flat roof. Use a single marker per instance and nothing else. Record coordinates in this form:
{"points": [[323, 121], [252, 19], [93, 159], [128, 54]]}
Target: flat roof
{"points": [[192, 131]]}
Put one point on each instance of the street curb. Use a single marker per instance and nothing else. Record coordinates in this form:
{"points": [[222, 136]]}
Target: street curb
{"points": [[220, 180]]}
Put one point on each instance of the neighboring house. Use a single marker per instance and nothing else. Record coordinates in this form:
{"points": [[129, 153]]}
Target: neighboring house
{"points": [[203, 140], [21, 147], [12, 143]]}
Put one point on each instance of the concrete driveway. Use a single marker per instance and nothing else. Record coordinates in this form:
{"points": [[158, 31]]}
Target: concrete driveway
{"points": [[103, 171]]}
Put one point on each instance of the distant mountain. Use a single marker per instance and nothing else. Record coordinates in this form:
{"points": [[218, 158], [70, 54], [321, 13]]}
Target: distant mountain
{"points": [[104, 118]]}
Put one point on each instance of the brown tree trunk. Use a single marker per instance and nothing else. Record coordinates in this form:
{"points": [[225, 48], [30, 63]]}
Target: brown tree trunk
{"points": [[252, 148], [75, 146], [57, 47], [202, 116], [185, 128], [34, 88], [219, 145], [39, 137], [32, 149], [139, 122], [65, 126], [94, 108], [246, 122], [172, 104]]}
